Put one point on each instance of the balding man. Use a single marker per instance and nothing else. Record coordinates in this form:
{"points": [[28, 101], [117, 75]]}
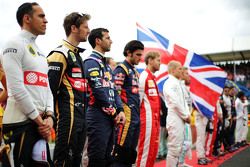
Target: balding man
{"points": [[178, 112]]}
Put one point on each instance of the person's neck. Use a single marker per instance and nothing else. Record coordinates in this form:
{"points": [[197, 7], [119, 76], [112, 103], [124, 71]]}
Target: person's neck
{"points": [[99, 50], [72, 41], [129, 61], [26, 28], [151, 69]]}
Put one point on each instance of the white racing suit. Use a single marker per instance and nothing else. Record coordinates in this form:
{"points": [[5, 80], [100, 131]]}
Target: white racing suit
{"points": [[177, 114], [29, 95], [239, 107], [245, 124], [200, 123], [186, 148]]}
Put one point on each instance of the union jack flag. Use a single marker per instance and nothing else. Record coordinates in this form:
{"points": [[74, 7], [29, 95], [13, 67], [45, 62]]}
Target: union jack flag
{"points": [[207, 80]]}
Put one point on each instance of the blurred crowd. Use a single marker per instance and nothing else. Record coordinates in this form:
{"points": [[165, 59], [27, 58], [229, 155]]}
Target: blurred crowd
{"points": [[242, 74]]}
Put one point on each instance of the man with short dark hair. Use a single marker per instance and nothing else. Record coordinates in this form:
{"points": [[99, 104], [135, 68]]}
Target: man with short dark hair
{"points": [[27, 120], [68, 86], [127, 84], [105, 107]]}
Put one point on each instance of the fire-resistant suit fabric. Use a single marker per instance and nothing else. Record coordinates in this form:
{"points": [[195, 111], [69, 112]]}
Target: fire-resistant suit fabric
{"points": [[29, 95], [150, 120], [69, 91], [177, 114], [127, 84], [104, 105]]}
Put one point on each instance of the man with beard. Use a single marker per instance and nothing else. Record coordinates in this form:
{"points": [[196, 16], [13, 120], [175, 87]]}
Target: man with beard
{"points": [[69, 90], [105, 107]]}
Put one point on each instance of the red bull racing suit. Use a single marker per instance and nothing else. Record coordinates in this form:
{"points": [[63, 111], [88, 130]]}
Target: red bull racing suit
{"points": [[104, 105]]}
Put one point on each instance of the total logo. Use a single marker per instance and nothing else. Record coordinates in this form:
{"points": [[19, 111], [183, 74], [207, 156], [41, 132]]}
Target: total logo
{"points": [[78, 84], [35, 78]]}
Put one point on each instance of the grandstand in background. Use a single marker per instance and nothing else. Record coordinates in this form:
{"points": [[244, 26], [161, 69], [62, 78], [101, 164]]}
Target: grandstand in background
{"points": [[235, 61]]}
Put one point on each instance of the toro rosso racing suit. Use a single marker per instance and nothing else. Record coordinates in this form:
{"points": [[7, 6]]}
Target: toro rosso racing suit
{"points": [[29, 95], [127, 84], [104, 105], [68, 87], [150, 120]]}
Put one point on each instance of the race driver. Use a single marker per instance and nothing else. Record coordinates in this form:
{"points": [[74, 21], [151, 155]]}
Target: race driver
{"points": [[105, 108], [127, 84], [149, 112], [69, 90]]}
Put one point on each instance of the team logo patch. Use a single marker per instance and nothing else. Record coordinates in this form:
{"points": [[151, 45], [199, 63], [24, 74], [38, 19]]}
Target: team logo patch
{"points": [[94, 74], [151, 84], [31, 50], [152, 92], [35, 78], [73, 56], [78, 84]]}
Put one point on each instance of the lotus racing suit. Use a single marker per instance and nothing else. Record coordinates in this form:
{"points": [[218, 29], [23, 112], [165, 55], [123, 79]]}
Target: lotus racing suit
{"points": [[68, 87], [29, 95]]}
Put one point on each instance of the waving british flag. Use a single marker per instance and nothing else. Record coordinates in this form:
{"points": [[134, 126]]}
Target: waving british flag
{"points": [[207, 80]]}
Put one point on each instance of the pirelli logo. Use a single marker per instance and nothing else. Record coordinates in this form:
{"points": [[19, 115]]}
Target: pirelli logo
{"points": [[10, 50], [35, 78]]}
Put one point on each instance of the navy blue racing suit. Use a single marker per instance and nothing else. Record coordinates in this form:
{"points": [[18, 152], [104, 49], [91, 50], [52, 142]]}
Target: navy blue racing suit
{"points": [[127, 84], [104, 105]]}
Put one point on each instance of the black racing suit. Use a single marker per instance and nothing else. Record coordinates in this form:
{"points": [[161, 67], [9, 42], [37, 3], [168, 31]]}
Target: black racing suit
{"points": [[68, 87], [104, 105], [127, 84]]}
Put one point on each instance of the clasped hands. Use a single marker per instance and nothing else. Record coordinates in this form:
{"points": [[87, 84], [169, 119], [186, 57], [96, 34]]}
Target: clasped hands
{"points": [[45, 128]]}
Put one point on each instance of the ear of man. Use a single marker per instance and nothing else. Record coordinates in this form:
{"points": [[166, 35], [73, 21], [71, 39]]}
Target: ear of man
{"points": [[26, 18]]}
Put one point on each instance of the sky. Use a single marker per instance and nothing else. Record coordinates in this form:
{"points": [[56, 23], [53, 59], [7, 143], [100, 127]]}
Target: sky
{"points": [[202, 26]]}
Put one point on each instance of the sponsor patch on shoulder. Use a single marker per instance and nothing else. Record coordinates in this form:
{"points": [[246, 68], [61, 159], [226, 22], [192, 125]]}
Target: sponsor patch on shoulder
{"points": [[94, 74], [10, 50]]}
